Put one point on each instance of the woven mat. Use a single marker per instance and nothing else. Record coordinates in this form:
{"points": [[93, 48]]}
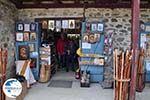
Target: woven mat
{"points": [[60, 84]]}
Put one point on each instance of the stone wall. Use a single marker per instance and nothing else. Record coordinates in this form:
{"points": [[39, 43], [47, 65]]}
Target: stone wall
{"points": [[117, 19], [7, 26]]}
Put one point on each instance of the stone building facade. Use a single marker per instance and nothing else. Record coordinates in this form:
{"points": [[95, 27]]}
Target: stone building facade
{"points": [[117, 19]]}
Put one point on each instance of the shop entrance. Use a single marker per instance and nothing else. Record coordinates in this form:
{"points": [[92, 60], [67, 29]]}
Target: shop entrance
{"points": [[62, 36]]}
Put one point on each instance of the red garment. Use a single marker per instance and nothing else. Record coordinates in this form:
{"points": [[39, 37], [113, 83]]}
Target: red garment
{"points": [[60, 46]]}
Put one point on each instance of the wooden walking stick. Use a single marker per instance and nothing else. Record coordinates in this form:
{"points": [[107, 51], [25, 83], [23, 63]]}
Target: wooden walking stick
{"points": [[116, 72], [114, 66], [4, 63], [125, 75], [1, 68], [4, 58], [140, 72], [129, 73], [119, 74], [122, 68]]}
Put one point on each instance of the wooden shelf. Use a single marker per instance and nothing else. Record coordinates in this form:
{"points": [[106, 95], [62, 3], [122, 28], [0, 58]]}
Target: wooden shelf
{"points": [[90, 63]]}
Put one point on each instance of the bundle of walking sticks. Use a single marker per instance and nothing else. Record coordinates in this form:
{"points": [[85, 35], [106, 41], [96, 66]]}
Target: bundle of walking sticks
{"points": [[122, 71], [140, 82], [3, 64]]}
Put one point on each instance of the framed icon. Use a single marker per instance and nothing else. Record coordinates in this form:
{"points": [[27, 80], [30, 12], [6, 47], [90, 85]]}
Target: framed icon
{"points": [[26, 27], [44, 24], [51, 25], [32, 36], [23, 52], [86, 38], [77, 24], [19, 36], [33, 27], [100, 27], [71, 24], [26, 36], [58, 25], [32, 47], [65, 24], [20, 27], [93, 27], [97, 37], [88, 27], [147, 28]]}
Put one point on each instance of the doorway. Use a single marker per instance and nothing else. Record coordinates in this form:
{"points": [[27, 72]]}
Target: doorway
{"points": [[51, 31]]}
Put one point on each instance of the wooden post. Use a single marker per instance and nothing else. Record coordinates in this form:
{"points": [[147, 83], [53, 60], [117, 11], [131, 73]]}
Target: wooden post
{"points": [[135, 43]]}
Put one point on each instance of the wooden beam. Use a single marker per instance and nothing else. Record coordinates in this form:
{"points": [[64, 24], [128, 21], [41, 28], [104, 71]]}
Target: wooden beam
{"points": [[135, 46], [79, 5], [75, 5]]}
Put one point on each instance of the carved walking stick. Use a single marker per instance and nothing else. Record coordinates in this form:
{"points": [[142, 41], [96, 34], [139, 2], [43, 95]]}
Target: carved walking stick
{"points": [[121, 77], [3, 60], [140, 72], [117, 91], [114, 66]]}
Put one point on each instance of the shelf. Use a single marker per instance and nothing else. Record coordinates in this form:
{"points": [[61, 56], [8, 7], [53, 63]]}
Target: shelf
{"points": [[93, 55], [91, 62]]}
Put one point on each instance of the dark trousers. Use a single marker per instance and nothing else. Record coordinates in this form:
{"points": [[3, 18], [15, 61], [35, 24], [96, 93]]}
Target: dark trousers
{"points": [[69, 62], [61, 59]]}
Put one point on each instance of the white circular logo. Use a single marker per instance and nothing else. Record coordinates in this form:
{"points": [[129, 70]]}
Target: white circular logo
{"points": [[12, 88]]}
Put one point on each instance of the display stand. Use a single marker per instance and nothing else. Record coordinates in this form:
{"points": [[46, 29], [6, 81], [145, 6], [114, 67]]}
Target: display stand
{"points": [[27, 44], [92, 44], [45, 61]]}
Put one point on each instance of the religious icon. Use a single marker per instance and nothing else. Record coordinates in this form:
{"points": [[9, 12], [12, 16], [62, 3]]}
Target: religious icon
{"points": [[23, 52], [88, 27], [27, 27], [51, 24], [93, 27], [26, 36], [85, 38], [65, 24], [44, 24], [19, 36], [32, 47], [100, 27], [20, 27], [97, 36], [71, 24], [33, 27], [32, 36], [58, 26]]}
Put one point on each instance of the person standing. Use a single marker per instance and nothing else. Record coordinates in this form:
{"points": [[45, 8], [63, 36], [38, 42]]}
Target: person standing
{"points": [[70, 55], [60, 46]]}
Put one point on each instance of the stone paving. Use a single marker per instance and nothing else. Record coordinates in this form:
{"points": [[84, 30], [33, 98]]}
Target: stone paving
{"points": [[40, 91]]}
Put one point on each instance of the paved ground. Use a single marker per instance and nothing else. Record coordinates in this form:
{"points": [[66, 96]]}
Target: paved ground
{"points": [[95, 92]]}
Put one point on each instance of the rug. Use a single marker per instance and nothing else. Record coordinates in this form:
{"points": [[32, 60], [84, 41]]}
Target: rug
{"points": [[60, 84]]}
